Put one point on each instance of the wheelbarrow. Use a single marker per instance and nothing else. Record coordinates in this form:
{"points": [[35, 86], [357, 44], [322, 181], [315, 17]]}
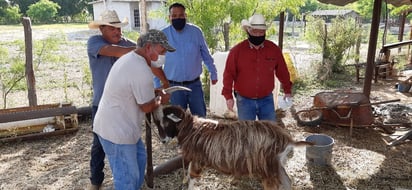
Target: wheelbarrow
{"points": [[339, 109]]}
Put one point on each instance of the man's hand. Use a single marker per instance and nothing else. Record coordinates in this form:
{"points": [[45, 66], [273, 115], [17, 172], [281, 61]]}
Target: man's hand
{"points": [[158, 100], [287, 96], [230, 103], [165, 97], [165, 84], [214, 82]]}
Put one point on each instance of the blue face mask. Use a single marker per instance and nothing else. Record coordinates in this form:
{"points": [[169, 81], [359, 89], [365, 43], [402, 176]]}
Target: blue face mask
{"points": [[179, 23]]}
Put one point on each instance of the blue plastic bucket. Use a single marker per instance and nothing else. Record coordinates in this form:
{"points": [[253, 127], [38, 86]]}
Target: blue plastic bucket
{"points": [[321, 153]]}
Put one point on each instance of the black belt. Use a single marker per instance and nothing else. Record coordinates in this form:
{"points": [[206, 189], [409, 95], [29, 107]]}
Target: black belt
{"points": [[184, 82]]}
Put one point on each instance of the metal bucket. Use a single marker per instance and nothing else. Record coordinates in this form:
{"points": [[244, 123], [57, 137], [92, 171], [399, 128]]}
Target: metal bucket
{"points": [[321, 153]]}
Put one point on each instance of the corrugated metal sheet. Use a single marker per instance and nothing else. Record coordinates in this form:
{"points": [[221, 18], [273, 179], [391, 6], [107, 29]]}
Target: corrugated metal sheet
{"points": [[332, 12], [345, 2]]}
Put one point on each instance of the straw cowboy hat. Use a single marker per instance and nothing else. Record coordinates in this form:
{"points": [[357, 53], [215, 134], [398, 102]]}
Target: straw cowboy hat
{"points": [[257, 21], [109, 18]]}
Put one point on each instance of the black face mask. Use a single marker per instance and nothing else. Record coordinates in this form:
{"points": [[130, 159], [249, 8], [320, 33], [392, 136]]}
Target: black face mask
{"points": [[256, 40], [179, 23]]}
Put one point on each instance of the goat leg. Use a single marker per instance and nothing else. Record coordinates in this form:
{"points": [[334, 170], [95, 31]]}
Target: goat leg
{"points": [[284, 179]]}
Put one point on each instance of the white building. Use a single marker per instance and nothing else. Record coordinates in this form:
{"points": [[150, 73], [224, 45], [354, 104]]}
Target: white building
{"points": [[132, 10]]}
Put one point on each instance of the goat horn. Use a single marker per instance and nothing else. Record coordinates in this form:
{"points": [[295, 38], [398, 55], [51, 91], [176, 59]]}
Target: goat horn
{"points": [[172, 89]]}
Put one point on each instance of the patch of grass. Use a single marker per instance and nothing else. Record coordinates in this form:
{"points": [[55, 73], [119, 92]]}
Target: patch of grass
{"points": [[62, 26], [46, 26], [11, 27]]}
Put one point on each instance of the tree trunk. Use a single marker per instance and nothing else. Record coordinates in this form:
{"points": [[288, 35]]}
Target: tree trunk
{"points": [[226, 28]]}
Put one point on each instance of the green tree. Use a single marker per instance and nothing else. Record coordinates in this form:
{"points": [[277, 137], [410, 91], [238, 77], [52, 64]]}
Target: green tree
{"points": [[69, 8], [10, 15], [23, 4], [334, 41], [3, 4], [44, 11], [11, 74], [364, 8], [310, 6]]}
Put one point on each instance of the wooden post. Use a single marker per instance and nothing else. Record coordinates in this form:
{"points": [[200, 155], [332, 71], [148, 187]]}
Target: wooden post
{"points": [[358, 41], [281, 28], [170, 166], [357, 67], [373, 37], [30, 79], [402, 19], [143, 17], [149, 169]]}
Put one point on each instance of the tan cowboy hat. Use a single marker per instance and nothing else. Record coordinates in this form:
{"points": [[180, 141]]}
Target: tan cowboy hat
{"points": [[109, 18], [257, 21]]}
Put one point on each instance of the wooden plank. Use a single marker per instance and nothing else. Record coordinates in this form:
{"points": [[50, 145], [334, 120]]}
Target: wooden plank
{"points": [[31, 108], [397, 44], [33, 114], [38, 135]]}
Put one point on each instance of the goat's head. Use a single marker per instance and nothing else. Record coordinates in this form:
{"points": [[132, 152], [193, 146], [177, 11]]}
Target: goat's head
{"points": [[173, 116], [158, 115]]}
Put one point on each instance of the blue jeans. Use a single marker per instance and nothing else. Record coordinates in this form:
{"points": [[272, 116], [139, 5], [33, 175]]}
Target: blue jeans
{"points": [[262, 108], [194, 99], [97, 157], [127, 162]]}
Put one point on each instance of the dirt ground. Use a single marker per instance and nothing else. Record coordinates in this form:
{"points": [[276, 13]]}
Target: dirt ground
{"points": [[362, 160]]}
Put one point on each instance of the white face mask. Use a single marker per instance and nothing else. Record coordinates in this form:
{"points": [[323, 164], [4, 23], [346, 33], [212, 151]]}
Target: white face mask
{"points": [[160, 61]]}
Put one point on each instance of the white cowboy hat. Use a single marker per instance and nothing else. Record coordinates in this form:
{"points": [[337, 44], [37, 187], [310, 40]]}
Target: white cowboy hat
{"points": [[257, 21], [109, 18]]}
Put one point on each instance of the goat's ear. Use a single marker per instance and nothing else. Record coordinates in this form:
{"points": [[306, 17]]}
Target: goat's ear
{"points": [[173, 118]]}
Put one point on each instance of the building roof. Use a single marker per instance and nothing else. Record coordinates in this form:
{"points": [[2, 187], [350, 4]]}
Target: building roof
{"points": [[333, 12], [345, 2]]}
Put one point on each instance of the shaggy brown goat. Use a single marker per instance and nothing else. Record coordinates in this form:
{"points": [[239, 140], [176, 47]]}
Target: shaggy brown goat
{"points": [[240, 148]]}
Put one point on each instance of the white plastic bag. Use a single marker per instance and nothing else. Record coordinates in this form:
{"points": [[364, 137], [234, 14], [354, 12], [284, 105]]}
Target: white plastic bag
{"points": [[285, 103]]}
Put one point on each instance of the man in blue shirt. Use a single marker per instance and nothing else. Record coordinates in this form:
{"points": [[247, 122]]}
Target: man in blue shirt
{"points": [[184, 66]]}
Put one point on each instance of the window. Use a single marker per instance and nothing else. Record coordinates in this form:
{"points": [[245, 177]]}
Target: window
{"points": [[136, 14]]}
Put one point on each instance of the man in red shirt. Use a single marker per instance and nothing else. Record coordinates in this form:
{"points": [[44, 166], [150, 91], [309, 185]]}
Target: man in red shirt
{"points": [[250, 72]]}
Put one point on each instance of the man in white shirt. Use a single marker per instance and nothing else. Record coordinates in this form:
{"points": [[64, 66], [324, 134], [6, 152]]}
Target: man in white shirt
{"points": [[128, 94]]}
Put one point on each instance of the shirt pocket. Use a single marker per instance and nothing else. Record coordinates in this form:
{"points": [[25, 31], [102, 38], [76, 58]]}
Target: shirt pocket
{"points": [[270, 63]]}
